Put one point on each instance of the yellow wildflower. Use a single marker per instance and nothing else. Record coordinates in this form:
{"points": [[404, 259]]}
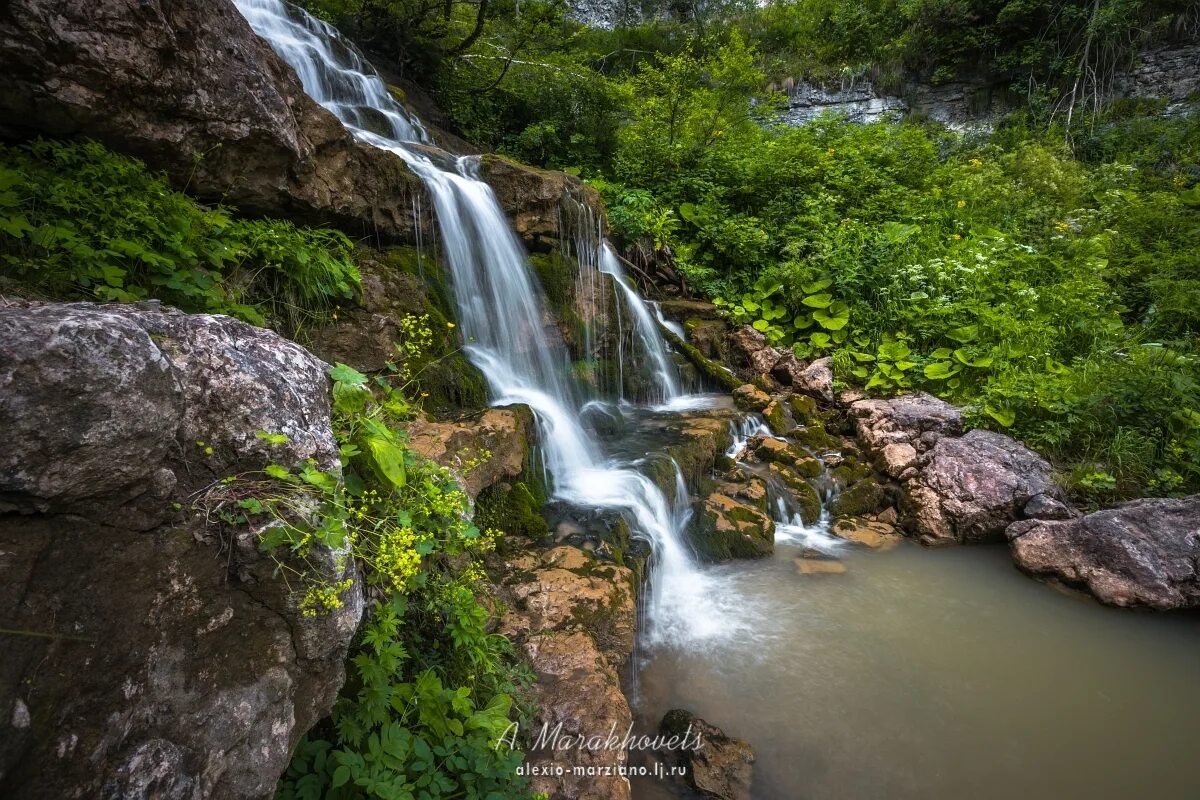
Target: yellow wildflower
{"points": [[962, 203]]}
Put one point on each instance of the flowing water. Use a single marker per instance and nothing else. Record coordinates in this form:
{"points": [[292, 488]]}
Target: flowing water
{"points": [[501, 314], [917, 674], [938, 674]]}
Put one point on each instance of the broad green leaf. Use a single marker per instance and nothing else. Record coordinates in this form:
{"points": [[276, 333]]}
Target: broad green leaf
{"points": [[941, 370], [818, 300], [1005, 416], [343, 373], [817, 285], [965, 334]]}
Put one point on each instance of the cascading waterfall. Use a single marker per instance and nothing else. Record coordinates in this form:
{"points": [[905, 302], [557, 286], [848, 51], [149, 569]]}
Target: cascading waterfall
{"points": [[501, 315], [666, 374]]}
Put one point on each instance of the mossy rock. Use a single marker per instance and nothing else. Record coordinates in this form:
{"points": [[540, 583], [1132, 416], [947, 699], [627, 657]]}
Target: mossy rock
{"points": [[512, 508], [453, 384], [851, 471], [708, 368], [778, 419], [814, 437], [806, 497], [724, 528], [804, 408], [865, 497]]}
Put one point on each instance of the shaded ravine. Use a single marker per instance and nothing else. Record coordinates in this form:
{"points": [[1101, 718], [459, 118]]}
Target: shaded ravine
{"points": [[500, 309]]}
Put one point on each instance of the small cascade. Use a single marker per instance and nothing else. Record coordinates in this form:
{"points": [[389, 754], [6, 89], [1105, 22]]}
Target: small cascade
{"points": [[670, 324], [652, 344], [501, 314]]}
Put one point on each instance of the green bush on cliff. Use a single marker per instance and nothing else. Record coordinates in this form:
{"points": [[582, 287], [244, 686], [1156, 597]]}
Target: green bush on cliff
{"points": [[428, 701], [80, 222]]}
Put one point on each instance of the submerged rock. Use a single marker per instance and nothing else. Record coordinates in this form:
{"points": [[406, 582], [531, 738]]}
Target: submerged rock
{"points": [[161, 660], [1144, 553], [871, 533], [970, 488], [808, 565], [721, 767]]}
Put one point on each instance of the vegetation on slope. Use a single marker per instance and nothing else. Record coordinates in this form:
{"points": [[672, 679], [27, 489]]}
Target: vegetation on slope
{"points": [[1045, 275], [430, 691]]}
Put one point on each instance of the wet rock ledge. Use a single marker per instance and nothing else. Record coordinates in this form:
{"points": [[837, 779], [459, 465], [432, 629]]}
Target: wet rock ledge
{"points": [[909, 464]]}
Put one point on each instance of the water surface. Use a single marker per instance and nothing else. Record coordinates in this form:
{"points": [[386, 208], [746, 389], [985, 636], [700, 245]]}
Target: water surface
{"points": [[940, 674]]}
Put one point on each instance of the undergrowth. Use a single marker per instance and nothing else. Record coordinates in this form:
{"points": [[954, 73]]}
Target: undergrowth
{"points": [[78, 221], [429, 699]]}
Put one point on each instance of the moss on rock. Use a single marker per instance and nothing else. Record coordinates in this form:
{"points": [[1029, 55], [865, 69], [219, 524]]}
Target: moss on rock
{"points": [[513, 508], [865, 497]]}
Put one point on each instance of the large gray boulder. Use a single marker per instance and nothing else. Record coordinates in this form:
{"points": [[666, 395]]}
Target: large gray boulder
{"points": [[917, 419], [190, 89], [1144, 553], [107, 408], [156, 653], [969, 488]]}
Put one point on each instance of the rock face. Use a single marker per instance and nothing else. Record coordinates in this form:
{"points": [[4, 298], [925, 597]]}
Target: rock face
{"points": [[534, 199], [191, 90], [163, 659], [1144, 553], [1171, 72], [574, 618], [970, 488]]}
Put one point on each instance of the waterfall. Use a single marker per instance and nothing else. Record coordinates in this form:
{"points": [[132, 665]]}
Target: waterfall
{"points": [[666, 374], [501, 316]]}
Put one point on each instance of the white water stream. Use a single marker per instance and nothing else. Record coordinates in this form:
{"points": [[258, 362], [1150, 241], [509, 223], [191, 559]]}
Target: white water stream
{"points": [[500, 310]]}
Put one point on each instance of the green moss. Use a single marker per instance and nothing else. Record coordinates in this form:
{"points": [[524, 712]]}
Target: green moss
{"points": [[864, 497], [556, 273], [453, 384], [804, 408], [815, 438], [512, 508], [778, 419], [750, 534]]}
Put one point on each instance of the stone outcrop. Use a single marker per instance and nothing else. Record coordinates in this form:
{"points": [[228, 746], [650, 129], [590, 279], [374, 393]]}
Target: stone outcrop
{"points": [[970, 488], [482, 449], [1143, 553], [191, 90], [750, 398], [575, 619], [720, 768], [534, 200], [149, 654], [918, 419], [724, 527]]}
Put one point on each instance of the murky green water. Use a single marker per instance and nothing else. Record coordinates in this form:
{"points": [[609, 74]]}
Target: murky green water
{"points": [[942, 674]]}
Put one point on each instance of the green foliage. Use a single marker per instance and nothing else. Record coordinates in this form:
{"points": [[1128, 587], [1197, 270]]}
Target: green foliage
{"points": [[77, 221], [428, 701]]}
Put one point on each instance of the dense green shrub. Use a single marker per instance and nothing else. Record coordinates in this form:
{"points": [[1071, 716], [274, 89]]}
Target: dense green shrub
{"points": [[78, 221]]}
